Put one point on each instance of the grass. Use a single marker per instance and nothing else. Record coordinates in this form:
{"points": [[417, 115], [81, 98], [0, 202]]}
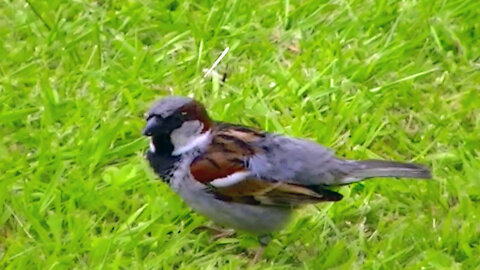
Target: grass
{"points": [[370, 79]]}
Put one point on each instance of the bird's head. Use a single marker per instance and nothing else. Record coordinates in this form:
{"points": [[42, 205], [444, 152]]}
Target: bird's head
{"points": [[177, 125]]}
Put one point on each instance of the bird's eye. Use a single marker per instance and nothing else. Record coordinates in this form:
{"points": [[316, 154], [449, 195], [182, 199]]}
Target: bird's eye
{"points": [[183, 113]]}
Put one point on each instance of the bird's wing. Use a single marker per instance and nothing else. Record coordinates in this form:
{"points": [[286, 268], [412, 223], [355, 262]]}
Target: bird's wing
{"points": [[298, 161], [226, 170]]}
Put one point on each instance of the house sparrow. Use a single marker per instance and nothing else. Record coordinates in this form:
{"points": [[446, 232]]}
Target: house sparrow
{"points": [[245, 178]]}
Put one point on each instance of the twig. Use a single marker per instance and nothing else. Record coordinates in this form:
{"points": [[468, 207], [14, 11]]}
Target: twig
{"points": [[216, 62]]}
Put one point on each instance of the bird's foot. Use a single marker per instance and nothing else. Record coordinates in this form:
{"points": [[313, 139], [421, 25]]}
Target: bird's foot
{"points": [[216, 232], [263, 240]]}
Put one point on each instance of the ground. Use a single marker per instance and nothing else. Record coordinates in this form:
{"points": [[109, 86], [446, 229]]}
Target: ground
{"points": [[370, 79]]}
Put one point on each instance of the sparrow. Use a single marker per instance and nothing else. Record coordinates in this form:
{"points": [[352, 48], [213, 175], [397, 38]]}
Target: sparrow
{"points": [[245, 178]]}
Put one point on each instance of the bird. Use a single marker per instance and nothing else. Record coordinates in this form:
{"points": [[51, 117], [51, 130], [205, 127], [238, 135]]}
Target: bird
{"points": [[245, 178]]}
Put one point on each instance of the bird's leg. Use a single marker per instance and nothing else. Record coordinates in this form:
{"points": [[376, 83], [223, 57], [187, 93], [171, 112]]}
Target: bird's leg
{"points": [[216, 232], [223, 233], [263, 240]]}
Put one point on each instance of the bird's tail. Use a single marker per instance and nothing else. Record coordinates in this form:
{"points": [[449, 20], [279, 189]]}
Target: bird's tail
{"points": [[382, 168]]}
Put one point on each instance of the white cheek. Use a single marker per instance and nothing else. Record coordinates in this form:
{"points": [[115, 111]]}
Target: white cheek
{"points": [[184, 134], [152, 146], [188, 137]]}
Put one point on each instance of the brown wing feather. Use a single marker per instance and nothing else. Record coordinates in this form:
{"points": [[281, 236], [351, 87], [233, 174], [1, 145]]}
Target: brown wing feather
{"points": [[226, 155], [257, 191], [214, 165]]}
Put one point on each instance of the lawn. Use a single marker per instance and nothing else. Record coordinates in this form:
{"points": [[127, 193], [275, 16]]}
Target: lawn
{"points": [[370, 79]]}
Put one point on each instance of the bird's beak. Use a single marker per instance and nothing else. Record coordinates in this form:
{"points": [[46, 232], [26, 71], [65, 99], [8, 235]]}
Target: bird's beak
{"points": [[152, 127]]}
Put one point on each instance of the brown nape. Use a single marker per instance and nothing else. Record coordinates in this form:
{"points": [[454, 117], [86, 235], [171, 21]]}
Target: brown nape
{"points": [[196, 111]]}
